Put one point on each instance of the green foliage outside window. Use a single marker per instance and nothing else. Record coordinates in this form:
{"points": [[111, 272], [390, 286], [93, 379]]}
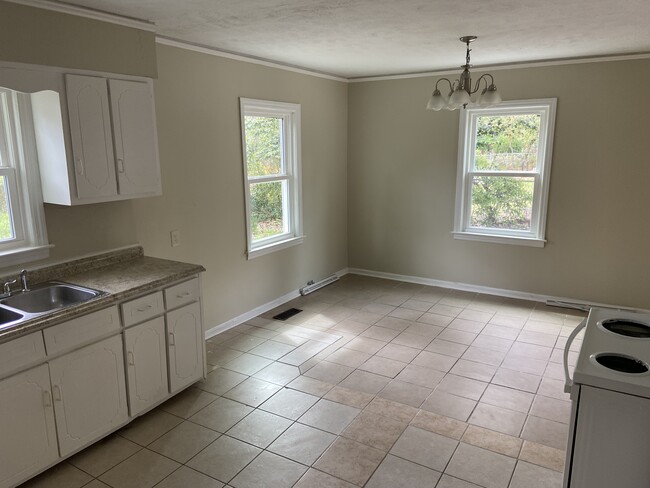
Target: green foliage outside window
{"points": [[264, 158], [505, 143], [6, 232]]}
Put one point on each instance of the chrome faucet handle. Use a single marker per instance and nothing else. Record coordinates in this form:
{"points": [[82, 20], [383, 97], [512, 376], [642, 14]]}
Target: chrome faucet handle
{"points": [[7, 286], [23, 280]]}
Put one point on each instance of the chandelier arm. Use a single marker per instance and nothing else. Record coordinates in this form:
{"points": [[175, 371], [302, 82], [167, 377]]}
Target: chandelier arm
{"points": [[451, 87], [478, 82]]}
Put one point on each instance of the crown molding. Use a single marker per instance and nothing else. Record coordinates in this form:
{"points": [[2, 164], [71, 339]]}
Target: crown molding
{"points": [[499, 67], [67, 8], [167, 41]]}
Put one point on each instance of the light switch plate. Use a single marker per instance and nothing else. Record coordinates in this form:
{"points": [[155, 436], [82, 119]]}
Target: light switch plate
{"points": [[175, 236]]}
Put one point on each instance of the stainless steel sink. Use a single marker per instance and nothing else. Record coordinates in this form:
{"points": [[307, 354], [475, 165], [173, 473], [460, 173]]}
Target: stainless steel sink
{"points": [[48, 297], [8, 317]]}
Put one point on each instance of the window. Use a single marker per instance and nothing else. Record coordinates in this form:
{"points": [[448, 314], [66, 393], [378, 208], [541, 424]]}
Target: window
{"points": [[271, 155], [23, 235], [503, 172]]}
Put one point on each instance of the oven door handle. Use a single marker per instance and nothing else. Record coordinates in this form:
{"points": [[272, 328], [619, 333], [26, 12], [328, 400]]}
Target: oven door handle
{"points": [[568, 381]]}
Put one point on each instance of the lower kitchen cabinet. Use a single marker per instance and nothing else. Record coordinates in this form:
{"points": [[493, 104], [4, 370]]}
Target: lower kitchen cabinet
{"points": [[146, 360], [185, 338], [83, 390], [89, 392], [27, 430]]}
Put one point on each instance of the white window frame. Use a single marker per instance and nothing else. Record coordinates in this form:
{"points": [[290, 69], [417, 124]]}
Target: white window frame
{"points": [[18, 146], [466, 150], [289, 113]]}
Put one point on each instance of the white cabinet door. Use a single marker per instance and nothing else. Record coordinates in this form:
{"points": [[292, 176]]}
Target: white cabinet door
{"points": [[146, 359], [89, 393], [90, 131], [28, 435], [185, 336], [136, 142]]}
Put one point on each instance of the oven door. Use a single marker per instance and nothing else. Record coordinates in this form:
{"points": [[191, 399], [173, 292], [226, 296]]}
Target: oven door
{"points": [[612, 440]]}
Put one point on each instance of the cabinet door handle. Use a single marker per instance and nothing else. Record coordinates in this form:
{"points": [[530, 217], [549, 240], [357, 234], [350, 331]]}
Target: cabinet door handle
{"points": [[145, 308], [47, 399], [57, 393], [131, 360], [79, 166], [171, 339], [183, 295], [120, 166]]}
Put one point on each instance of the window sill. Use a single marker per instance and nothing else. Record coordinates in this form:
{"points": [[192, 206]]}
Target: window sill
{"points": [[513, 240], [24, 255], [276, 246]]}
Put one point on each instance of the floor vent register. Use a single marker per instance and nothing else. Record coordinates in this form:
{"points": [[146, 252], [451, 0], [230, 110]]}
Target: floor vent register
{"points": [[287, 314]]}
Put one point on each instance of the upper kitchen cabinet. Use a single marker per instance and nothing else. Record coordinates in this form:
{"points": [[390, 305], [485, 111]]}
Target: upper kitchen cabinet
{"points": [[136, 142], [106, 150], [91, 136]]}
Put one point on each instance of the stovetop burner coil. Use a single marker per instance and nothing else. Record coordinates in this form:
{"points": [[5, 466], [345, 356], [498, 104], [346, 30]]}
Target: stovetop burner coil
{"points": [[626, 327]]}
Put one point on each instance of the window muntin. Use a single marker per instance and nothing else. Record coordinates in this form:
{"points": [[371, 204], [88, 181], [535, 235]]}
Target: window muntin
{"points": [[504, 169], [23, 236], [271, 155]]}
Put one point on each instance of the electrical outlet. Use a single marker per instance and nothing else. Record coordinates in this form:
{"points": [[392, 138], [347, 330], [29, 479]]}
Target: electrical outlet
{"points": [[175, 238]]}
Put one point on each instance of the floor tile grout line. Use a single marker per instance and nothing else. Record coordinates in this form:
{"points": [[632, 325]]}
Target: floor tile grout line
{"points": [[464, 306]]}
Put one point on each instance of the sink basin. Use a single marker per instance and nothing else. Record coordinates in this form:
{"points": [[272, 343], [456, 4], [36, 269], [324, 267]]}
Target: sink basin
{"points": [[49, 297], [8, 316]]}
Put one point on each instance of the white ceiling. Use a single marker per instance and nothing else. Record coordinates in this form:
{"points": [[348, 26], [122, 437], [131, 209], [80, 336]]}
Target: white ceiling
{"points": [[359, 38]]}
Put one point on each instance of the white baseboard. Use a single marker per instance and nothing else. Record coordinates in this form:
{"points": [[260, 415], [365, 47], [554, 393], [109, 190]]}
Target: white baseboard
{"points": [[240, 319], [487, 290], [342, 272]]}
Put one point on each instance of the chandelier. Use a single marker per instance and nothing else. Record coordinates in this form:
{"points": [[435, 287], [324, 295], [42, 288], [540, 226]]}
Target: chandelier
{"points": [[460, 91]]}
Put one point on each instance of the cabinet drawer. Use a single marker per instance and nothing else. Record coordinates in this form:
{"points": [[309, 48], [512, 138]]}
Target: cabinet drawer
{"points": [[181, 294], [81, 330], [142, 309], [21, 352]]}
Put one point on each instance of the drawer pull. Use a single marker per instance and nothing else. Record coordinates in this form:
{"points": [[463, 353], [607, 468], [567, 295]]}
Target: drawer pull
{"points": [[130, 360], [144, 309], [57, 393], [47, 399], [171, 339], [183, 295]]}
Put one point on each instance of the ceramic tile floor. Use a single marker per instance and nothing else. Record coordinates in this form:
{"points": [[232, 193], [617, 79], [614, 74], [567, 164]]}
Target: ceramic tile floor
{"points": [[377, 383]]}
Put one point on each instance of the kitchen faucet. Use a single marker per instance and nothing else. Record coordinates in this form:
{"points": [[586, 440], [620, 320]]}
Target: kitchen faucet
{"points": [[23, 280], [6, 288]]}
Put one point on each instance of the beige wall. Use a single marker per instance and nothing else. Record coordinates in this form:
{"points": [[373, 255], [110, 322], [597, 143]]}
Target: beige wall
{"points": [[197, 104], [402, 178], [38, 36]]}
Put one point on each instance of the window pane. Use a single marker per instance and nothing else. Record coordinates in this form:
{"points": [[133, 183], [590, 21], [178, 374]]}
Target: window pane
{"points": [[267, 211], [507, 142], [263, 145], [6, 225], [501, 202]]}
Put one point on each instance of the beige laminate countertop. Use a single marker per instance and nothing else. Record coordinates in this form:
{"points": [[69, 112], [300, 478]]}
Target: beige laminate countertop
{"points": [[120, 280]]}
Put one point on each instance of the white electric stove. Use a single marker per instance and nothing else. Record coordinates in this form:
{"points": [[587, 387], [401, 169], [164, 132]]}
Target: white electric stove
{"points": [[609, 438]]}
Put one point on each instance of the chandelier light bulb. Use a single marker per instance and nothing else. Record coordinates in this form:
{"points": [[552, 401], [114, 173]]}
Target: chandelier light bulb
{"points": [[460, 98], [437, 101], [491, 96]]}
